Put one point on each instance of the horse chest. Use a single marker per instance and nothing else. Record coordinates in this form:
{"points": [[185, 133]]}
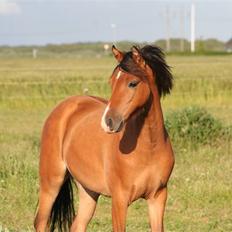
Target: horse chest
{"points": [[144, 177]]}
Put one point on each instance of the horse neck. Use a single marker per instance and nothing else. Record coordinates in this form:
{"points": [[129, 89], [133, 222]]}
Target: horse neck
{"points": [[154, 121], [145, 129]]}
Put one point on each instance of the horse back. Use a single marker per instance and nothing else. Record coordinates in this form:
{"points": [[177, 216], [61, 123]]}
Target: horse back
{"points": [[56, 126]]}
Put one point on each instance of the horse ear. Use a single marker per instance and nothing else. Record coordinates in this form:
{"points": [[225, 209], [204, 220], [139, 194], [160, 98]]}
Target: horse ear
{"points": [[117, 54], [138, 59]]}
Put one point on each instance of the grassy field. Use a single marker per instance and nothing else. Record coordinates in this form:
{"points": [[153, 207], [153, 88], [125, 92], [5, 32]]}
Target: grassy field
{"points": [[200, 193]]}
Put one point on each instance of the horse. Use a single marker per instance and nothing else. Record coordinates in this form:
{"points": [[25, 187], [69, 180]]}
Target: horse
{"points": [[117, 148]]}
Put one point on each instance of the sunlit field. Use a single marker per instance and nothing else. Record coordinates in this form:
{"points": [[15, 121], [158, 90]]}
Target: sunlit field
{"points": [[200, 188]]}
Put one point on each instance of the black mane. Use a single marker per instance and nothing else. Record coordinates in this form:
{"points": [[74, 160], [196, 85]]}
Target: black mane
{"points": [[155, 58]]}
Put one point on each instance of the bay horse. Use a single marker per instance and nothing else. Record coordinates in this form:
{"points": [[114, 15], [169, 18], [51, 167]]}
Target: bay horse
{"points": [[117, 148]]}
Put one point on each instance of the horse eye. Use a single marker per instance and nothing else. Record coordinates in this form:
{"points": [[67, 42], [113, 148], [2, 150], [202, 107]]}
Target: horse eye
{"points": [[133, 84]]}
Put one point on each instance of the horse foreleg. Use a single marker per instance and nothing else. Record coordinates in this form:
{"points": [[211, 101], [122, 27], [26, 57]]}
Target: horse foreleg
{"points": [[119, 212], [156, 207], [87, 206]]}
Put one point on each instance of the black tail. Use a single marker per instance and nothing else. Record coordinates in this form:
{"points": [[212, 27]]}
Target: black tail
{"points": [[63, 212]]}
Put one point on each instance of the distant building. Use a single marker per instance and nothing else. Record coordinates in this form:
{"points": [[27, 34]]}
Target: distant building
{"points": [[34, 53], [228, 45]]}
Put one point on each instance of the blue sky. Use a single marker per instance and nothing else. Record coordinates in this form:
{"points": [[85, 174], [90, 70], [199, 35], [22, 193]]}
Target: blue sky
{"points": [[66, 21]]}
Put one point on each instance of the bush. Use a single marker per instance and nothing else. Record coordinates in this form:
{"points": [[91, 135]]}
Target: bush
{"points": [[194, 125]]}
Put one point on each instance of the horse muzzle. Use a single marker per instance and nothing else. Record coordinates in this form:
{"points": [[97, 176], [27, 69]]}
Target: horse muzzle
{"points": [[112, 122]]}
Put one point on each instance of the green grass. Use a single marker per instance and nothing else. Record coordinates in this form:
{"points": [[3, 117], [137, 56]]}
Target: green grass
{"points": [[200, 193]]}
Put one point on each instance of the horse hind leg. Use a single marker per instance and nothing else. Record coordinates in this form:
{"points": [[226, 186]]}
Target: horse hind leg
{"points": [[52, 175], [87, 205], [56, 208], [54, 186]]}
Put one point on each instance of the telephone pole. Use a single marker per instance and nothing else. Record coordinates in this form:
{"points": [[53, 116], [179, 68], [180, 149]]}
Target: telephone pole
{"points": [[167, 14], [182, 31], [193, 27]]}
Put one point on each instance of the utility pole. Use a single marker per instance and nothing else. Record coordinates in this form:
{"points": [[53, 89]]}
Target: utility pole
{"points": [[167, 14], [114, 28], [192, 27], [182, 31]]}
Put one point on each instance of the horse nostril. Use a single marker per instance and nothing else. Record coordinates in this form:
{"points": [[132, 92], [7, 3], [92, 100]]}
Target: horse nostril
{"points": [[109, 123]]}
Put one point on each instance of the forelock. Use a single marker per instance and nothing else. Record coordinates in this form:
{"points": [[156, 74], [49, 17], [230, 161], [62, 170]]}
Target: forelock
{"points": [[127, 64]]}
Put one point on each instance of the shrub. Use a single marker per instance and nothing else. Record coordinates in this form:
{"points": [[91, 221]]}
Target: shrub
{"points": [[194, 125]]}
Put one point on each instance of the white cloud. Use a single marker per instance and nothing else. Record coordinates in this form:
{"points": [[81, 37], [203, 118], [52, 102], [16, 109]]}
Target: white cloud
{"points": [[9, 7]]}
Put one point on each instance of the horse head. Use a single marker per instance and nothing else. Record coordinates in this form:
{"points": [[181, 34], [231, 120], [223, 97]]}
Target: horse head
{"points": [[132, 83]]}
